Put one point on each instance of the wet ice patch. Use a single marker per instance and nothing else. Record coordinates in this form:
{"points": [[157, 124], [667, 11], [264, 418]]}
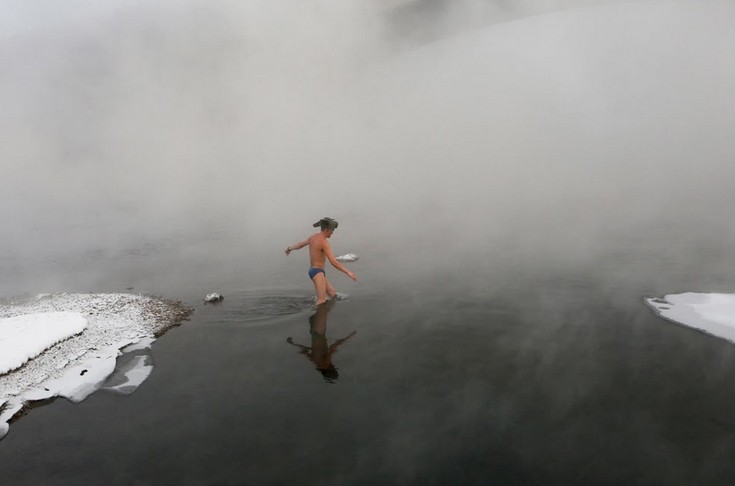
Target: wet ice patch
{"points": [[712, 314], [132, 368], [86, 362], [26, 336]]}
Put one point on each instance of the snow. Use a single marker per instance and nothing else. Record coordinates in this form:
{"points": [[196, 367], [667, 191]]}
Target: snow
{"points": [[213, 297], [81, 343], [25, 337], [710, 313], [348, 257]]}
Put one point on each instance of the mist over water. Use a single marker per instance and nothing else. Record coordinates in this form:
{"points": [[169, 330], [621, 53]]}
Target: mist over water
{"points": [[219, 131], [515, 176]]}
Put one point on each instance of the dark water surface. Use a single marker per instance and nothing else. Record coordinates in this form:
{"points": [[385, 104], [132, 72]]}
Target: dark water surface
{"points": [[549, 375]]}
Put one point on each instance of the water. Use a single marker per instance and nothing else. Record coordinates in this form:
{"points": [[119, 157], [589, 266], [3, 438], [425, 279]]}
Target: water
{"points": [[558, 376]]}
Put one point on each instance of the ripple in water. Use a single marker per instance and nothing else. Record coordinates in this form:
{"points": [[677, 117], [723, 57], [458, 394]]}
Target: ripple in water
{"points": [[250, 306]]}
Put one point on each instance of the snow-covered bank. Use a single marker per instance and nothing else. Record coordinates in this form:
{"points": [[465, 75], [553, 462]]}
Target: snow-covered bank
{"points": [[710, 313], [25, 337], [76, 367]]}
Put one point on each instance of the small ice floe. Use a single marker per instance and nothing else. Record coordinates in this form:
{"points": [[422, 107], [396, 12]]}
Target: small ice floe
{"points": [[214, 297], [712, 314], [348, 257]]}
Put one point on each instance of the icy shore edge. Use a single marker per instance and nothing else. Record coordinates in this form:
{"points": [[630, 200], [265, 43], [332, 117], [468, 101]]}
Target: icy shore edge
{"points": [[78, 366], [710, 313]]}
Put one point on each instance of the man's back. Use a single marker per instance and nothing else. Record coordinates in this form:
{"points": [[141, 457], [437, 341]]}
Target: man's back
{"points": [[317, 250]]}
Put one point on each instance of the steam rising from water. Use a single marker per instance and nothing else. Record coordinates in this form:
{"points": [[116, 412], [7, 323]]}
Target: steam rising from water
{"points": [[490, 133]]}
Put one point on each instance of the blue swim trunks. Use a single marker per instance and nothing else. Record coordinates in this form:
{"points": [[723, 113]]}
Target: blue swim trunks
{"points": [[313, 271]]}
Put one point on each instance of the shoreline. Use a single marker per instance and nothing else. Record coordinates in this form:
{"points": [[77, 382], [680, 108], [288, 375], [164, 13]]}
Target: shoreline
{"points": [[78, 366]]}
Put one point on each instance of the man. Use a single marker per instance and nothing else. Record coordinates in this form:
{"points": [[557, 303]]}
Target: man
{"points": [[319, 252]]}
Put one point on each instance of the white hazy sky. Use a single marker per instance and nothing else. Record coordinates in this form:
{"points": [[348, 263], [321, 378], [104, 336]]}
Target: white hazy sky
{"points": [[548, 134], [19, 17]]}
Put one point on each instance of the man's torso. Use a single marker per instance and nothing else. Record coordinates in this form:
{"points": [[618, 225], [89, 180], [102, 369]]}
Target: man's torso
{"points": [[317, 253]]}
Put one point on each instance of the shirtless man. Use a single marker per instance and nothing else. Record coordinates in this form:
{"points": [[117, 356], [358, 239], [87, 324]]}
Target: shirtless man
{"points": [[319, 252]]}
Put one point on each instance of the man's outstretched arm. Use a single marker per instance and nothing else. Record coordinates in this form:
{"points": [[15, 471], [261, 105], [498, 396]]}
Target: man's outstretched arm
{"points": [[297, 246], [336, 264], [336, 344], [304, 349]]}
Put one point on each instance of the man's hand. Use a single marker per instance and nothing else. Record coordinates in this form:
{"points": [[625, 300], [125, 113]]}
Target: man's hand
{"points": [[352, 276], [288, 250]]}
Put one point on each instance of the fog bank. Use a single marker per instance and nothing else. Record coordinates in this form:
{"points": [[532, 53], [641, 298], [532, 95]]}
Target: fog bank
{"points": [[534, 131]]}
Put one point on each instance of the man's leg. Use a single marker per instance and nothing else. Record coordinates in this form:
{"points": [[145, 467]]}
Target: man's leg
{"points": [[320, 286], [330, 290]]}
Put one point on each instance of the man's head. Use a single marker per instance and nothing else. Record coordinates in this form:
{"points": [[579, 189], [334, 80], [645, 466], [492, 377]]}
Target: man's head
{"points": [[330, 374], [326, 224]]}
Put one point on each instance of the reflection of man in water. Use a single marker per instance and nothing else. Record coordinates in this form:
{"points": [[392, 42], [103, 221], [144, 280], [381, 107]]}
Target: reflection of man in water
{"points": [[319, 252], [320, 353]]}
